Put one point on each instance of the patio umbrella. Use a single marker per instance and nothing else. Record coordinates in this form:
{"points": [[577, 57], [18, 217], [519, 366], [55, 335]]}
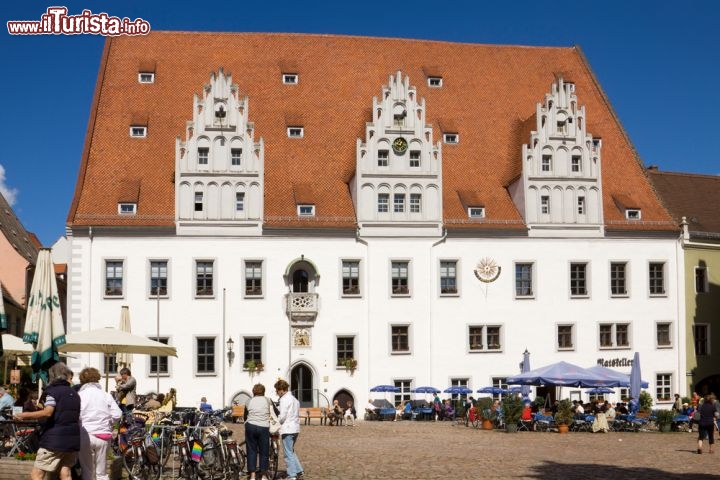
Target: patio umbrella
{"points": [[560, 373], [599, 391], [385, 389], [14, 347], [432, 390], [635, 379], [524, 368], [492, 390], [43, 323], [617, 379], [457, 390], [111, 340], [124, 359]]}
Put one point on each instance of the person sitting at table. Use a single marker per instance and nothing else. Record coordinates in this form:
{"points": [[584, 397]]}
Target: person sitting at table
{"points": [[621, 408], [448, 410], [526, 417], [371, 410], [350, 414], [335, 414], [31, 404], [399, 411]]}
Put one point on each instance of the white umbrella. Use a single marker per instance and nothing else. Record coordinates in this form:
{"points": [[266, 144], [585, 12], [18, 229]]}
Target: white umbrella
{"points": [[13, 347], [124, 359], [44, 324], [112, 340]]}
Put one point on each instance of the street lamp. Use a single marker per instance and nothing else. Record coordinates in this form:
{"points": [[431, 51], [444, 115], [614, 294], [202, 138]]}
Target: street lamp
{"points": [[230, 354]]}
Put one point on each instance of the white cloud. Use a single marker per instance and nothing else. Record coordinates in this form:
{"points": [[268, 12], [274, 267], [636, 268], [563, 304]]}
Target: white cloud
{"points": [[10, 194]]}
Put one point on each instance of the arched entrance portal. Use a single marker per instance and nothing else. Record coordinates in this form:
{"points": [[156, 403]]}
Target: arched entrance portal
{"points": [[343, 397], [707, 385], [301, 384]]}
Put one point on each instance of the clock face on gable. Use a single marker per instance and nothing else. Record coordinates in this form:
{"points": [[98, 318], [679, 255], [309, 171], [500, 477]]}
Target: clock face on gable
{"points": [[400, 145]]}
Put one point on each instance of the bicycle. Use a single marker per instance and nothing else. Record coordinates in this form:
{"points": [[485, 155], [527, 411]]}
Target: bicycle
{"points": [[274, 454]]}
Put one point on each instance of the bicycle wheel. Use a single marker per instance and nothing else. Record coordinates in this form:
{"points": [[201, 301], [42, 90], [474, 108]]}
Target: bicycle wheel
{"points": [[274, 457]]}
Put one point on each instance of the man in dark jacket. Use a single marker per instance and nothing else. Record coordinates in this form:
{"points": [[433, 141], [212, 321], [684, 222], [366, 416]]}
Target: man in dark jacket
{"points": [[60, 437]]}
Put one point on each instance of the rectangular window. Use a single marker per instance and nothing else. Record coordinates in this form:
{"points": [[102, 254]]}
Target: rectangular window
{"points": [[198, 201], [295, 132], [632, 214], [448, 277], [239, 201], [235, 156], [581, 205], [546, 163], [146, 77], [415, 202], [493, 338], [451, 138], [576, 164], [158, 278], [414, 158], [203, 154], [113, 278], [545, 204], [383, 158], [252, 350], [139, 132], [306, 210], [565, 337], [399, 203], [459, 382], [701, 336], [290, 79], [614, 335], [523, 279], [476, 212], [476, 338], [204, 279], [253, 279], [159, 363], [345, 350], [127, 208], [206, 355], [383, 202], [351, 277], [618, 279], [399, 120], [400, 278], [656, 272], [578, 280], [435, 82], [562, 127], [404, 394], [701, 280], [499, 382], [663, 335], [111, 366], [400, 339], [663, 386]]}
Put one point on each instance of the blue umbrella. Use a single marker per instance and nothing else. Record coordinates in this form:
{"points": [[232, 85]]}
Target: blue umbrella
{"points": [[635, 379], [457, 390], [615, 378], [516, 390], [425, 390], [599, 391], [492, 390], [525, 367], [385, 388]]}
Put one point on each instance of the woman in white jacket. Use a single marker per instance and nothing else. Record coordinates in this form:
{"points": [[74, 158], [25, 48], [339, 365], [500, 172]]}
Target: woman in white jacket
{"points": [[98, 414]]}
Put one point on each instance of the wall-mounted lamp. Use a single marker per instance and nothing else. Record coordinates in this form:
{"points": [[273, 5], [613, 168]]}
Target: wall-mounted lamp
{"points": [[230, 354]]}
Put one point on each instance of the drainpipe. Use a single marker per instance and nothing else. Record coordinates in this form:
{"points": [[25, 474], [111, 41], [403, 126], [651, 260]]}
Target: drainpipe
{"points": [[430, 305], [367, 303]]}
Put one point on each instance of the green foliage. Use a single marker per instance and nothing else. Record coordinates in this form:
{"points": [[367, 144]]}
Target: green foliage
{"points": [[564, 415], [512, 408], [646, 401], [664, 417], [539, 402]]}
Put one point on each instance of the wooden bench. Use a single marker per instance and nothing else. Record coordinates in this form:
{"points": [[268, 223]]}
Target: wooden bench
{"points": [[238, 412], [313, 412]]}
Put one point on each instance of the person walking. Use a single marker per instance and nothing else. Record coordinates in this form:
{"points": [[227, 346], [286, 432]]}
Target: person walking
{"points": [[98, 414], [257, 433], [289, 419], [60, 437], [706, 426]]}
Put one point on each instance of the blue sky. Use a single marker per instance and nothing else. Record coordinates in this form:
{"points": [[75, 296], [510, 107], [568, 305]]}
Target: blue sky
{"points": [[656, 60]]}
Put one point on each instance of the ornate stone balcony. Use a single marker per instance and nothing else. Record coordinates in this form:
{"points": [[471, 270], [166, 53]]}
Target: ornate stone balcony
{"points": [[302, 307]]}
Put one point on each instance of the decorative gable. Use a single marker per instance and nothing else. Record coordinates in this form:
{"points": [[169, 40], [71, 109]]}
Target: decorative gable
{"points": [[560, 186], [397, 189], [219, 167]]}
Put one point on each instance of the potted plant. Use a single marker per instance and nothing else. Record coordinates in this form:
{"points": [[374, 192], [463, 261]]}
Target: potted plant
{"points": [[664, 419], [350, 364], [512, 411], [564, 415], [487, 414], [253, 366]]}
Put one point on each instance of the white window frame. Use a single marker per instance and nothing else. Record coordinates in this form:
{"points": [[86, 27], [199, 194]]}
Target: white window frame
{"points": [[614, 336], [290, 78], [435, 82], [123, 265], [338, 365], [581, 208], [196, 203], [666, 386], [415, 203], [240, 202], [451, 138], [409, 339], [263, 285], [586, 279], [138, 131], [125, 206], [146, 77], [359, 277], [705, 279], [306, 210], [456, 293], [150, 372], [409, 277], [414, 158], [214, 263], [233, 156], [546, 161], [633, 214], [626, 263], [476, 212], [383, 158], [399, 207], [243, 345], [545, 204], [150, 261], [576, 163], [485, 346], [295, 132], [386, 204], [664, 278], [196, 354], [670, 334], [708, 343], [203, 153], [573, 337]]}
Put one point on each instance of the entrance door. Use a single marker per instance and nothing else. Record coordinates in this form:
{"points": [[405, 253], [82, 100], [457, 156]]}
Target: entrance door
{"points": [[301, 385]]}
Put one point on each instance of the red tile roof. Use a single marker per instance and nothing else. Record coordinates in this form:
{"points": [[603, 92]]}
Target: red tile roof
{"points": [[488, 93]]}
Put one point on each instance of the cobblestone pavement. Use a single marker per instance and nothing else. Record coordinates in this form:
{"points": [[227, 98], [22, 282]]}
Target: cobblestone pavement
{"points": [[430, 450]]}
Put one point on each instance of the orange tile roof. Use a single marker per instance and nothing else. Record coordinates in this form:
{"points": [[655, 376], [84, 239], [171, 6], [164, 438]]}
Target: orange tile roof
{"points": [[488, 93]]}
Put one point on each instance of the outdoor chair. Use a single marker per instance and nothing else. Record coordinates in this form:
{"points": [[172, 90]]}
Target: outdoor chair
{"points": [[543, 422]]}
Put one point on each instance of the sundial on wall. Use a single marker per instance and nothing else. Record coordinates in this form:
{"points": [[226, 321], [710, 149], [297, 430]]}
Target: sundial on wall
{"points": [[487, 270]]}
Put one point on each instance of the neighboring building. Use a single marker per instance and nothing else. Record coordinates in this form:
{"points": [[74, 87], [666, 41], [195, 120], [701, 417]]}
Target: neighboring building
{"points": [[358, 211], [694, 201]]}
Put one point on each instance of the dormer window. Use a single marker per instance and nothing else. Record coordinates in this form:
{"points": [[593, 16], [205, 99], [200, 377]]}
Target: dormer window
{"points": [[290, 78], [138, 131], [146, 77], [633, 214], [127, 208], [451, 138], [306, 210], [295, 132], [435, 82], [414, 158], [476, 212]]}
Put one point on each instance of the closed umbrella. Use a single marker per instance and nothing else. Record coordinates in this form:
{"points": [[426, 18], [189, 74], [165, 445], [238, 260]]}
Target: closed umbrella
{"points": [[124, 359], [44, 324], [524, 368], [635, 378]]}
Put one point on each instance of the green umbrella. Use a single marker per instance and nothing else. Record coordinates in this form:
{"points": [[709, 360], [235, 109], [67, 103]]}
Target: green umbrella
{"points": [[44, 324]]}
